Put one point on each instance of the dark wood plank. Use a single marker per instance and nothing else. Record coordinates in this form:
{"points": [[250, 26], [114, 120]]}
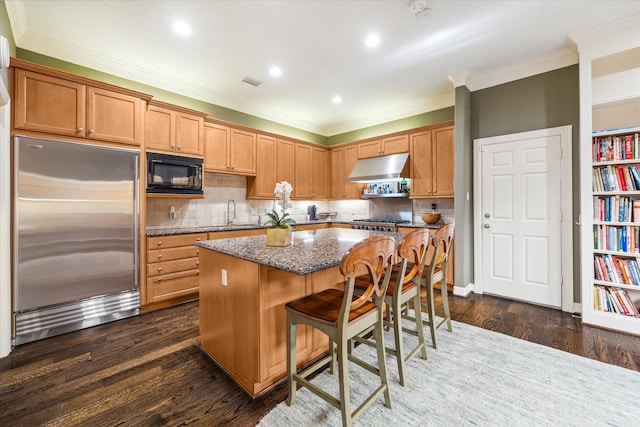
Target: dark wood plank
{"points": [[150, 369]]}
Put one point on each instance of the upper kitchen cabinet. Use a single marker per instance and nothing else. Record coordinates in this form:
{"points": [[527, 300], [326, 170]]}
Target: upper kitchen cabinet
{"points": [[432, 163], [382, 147], [229, 150], [310, 173], [173, 129], [275, 163], [262, 185], [342, 161], [53, 102]]}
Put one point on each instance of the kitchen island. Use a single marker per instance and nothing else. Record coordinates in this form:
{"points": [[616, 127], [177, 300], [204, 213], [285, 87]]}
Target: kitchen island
{"points": [[244, 286]]}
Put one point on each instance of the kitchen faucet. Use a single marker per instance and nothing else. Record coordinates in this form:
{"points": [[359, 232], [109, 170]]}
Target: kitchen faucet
{"points": [[229, 220]]}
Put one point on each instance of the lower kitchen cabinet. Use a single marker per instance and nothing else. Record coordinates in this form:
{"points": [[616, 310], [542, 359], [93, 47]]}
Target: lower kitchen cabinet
{"points": [[173, 269]]}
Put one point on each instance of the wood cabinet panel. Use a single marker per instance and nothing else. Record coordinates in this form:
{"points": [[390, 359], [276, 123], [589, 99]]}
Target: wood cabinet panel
{"points": [[189, 134], [61, 106], [242, 152], [319, 173], [173, 266], [443, 166], [114, 117], [173, 131], [342, 161], [302, 184], [216, 147], [285, 163], [228, 150], [261, 186], [383, 147], [432, 163], [369, 149], [281, 288], [235, 233], [304, 227], [171, 286]]}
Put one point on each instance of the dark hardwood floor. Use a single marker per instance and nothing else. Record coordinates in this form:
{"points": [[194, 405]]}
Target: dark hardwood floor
{"points": [[150, 371]]}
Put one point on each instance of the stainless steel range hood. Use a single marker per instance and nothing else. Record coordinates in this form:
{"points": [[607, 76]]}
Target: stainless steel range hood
{"points": [[379, 168]]}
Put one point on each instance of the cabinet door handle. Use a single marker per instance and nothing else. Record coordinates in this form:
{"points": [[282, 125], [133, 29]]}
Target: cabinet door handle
{"points": [[80, 129], [159, 269], [91, 131], [159, 256], [160, 242]]}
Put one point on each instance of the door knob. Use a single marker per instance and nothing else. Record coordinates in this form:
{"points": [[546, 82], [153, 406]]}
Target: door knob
{"points": [[487, 226], [487, 215]]}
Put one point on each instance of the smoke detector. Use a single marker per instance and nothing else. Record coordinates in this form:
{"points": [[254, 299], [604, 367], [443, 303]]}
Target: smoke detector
{"points": [[419, 8]]}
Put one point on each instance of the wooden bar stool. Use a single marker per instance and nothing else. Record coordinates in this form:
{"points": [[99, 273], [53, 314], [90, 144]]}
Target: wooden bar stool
{"points": [[342, 316], [436, 272], [403, 287]]}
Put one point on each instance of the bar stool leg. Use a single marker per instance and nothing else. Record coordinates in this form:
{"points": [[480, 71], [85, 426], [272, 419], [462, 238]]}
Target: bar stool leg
{"points": [[382, 362], [343, 375], [445, 301], [431, 308], [397, 332], [418, 315], [291, 359]]}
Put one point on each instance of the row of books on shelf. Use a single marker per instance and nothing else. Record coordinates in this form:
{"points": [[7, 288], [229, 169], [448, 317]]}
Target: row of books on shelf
{"points": [[616, 238], [614, 300], [610, 268], [616, 178], [616, 208], [616, 147]]}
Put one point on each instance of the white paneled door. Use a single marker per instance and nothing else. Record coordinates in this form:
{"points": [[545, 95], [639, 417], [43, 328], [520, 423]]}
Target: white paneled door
{"points": [[521, 219]]}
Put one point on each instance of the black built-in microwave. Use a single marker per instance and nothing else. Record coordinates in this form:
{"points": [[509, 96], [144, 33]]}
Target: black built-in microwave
{"points": [[168, 174]]}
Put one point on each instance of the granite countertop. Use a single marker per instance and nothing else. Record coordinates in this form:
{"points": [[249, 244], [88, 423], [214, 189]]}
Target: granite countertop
{"points": [[151, 232], [231, 227], [309, 251]]}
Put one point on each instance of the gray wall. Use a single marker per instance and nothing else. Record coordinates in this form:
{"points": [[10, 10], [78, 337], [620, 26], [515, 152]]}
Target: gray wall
{"points": [[543, 101]]}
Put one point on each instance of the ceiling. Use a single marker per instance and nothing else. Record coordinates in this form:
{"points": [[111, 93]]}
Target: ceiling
{"points": [[320, 47]]}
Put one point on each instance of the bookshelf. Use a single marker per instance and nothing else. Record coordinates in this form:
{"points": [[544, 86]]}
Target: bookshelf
{"points": [[610, 177]]}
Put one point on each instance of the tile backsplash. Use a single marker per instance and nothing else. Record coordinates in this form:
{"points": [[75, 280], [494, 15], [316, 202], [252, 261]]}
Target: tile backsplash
{"points": [[219, 189]]}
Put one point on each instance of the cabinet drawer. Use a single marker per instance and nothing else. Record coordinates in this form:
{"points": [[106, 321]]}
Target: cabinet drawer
{"points": [[158, 242], [165, 267], [158, 255], [173, 285]]}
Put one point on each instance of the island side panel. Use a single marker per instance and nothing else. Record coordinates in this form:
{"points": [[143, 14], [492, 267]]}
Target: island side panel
{"points": [[229, 323], [277, 288]]}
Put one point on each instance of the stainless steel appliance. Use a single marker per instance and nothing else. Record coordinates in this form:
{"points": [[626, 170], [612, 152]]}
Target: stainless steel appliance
{"points": [[76, 236], [380, 168], [374, 224], [168, 174]]}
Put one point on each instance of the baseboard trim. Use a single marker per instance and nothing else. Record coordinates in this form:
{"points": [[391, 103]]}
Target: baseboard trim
{"points": [[463, 291]]}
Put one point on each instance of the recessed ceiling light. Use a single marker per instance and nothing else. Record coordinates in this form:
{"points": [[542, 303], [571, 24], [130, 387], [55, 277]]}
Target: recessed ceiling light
{"points": [[275, 71], [337, 99], [182, 28], [373, 40]]}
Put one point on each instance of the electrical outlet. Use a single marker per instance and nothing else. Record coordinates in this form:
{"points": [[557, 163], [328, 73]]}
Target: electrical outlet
{"points": [[224, 277], [172, 212]]}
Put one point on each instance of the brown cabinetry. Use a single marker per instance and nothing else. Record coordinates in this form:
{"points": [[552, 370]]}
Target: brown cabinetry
{"points": [[173, 267], [342, 161], [60, 106], [229, 150], [384, 146], [310, 172], [432, 163], [174, 130]]}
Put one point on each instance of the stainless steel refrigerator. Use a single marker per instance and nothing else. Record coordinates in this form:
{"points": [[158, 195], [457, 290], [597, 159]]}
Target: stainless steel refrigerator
{"points": [[76, 239]]}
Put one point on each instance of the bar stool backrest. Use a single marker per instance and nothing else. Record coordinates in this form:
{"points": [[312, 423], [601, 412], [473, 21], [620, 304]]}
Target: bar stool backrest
{"points": [[413, 249], [372, 256], [441, 242]]}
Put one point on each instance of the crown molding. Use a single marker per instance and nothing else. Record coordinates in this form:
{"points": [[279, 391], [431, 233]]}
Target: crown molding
{"points": [[17, 18], [531, 67], [620, 35]]}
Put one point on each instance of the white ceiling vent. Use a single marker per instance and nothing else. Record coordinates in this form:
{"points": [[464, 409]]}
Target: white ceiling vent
{"points": [[252, 81]]}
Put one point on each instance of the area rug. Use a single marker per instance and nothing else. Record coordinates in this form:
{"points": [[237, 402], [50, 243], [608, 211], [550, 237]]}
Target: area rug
{"points": [[480, 378]]}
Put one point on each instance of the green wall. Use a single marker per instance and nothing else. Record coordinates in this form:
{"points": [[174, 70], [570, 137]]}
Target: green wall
{"points": [[407, 123], [543, 101]]}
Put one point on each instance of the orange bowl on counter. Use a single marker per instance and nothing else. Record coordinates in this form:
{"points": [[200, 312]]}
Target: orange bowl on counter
{"points": [[430, 218]]}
